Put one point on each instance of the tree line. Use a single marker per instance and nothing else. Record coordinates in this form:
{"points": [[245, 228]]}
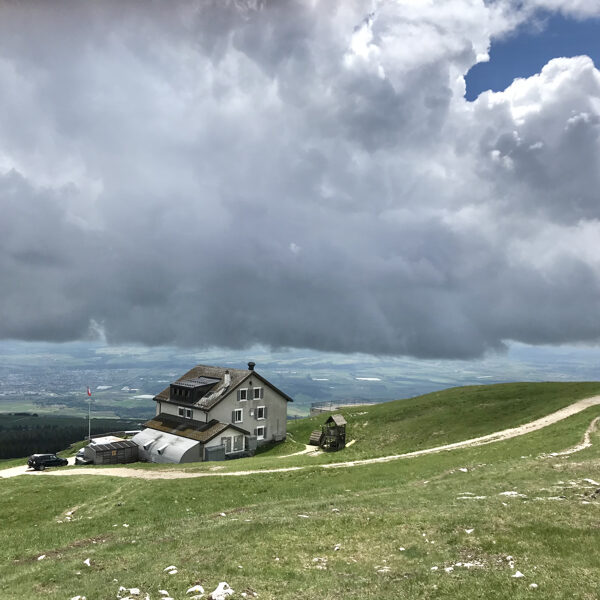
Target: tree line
{"points": [[23, 436]]}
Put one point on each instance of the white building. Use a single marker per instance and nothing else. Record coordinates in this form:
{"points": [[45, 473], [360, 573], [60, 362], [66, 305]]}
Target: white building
{"points": [[213, 413]]}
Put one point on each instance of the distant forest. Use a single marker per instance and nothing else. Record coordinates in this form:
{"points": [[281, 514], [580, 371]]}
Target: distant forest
{"points": [[23, 434]]}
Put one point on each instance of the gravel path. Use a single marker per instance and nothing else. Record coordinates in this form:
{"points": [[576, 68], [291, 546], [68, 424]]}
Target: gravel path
{"points": [[499, 436]]}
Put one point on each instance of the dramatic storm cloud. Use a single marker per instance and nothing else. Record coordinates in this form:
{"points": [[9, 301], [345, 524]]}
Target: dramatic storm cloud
{"points": [[294, 173]]}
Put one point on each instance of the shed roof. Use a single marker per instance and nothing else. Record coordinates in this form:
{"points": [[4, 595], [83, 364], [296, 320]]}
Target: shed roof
{"points": [[193, 430], [337, 419], [218, 391], [119, 445]]}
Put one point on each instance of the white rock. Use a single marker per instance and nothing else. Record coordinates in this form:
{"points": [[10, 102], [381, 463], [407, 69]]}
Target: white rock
{"points": [[78, 598], [463, 470], [42, 557], [591, 481], [533, 586], [196, 588], [221, 592], [401, 549], [449, 569], [125, 524], [518, 574], [336, 547], [304, 516], [469, 530], [86, 562], [433, 569], [134, 591], [170, 568], [222, 515], [163, 592]]}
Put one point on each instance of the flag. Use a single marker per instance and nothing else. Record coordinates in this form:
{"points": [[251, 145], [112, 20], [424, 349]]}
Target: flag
{"points": [[89, 391]]}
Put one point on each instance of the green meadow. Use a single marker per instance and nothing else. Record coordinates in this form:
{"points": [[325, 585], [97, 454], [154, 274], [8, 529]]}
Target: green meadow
{"points": [[458, 524]]}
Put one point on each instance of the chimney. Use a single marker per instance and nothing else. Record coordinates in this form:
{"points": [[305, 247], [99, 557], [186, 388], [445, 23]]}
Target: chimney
{"points": [[251, 365]]}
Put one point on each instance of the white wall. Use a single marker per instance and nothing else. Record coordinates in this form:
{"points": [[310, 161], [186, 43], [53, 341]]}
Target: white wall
{"points": [[276, 421]]}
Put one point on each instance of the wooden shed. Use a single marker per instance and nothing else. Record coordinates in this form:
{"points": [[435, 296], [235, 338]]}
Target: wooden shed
{"points": [[332, 435], [111, 451]]}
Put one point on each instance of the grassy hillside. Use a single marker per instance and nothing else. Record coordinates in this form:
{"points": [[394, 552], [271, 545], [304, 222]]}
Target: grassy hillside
{"points": [[400, 528], [447, 416]]}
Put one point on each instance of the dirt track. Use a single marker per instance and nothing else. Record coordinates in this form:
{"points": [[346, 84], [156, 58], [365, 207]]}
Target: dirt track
{"points": [[499, 436]]}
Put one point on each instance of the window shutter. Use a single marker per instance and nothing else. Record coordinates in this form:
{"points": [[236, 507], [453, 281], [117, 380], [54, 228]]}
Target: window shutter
{"points": [[239, 395], [265, 432], [265, 412], [262, 393], [256, 431], [233, 416]]}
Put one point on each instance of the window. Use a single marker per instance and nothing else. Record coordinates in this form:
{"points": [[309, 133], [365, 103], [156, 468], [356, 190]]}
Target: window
{"points": [[226, 441], [260, 413], [258, 393], [187, 413], [243, 394], [233, 444], [260, 433], [238, 415], [238, 443]]}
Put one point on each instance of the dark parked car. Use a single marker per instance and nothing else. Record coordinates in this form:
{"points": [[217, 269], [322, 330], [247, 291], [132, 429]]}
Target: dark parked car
{"points": [[80, 458], [40, 461]]}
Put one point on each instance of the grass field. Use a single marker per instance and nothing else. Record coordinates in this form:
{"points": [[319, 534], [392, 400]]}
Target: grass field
{"points": [[437, 526]]}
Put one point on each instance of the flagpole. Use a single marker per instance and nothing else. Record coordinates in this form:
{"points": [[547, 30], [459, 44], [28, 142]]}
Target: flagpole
{"points": [[89, 393]]}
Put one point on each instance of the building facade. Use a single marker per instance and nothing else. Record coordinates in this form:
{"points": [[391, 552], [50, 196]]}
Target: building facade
{"points": [[214, 413]]}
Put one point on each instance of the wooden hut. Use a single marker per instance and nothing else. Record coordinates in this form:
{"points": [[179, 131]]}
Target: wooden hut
{"points": [[110, 450], [332, 435]]}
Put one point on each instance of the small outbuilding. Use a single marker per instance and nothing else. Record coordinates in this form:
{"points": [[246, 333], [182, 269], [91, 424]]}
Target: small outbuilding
{"points": [[332, 436], [111, 450]]}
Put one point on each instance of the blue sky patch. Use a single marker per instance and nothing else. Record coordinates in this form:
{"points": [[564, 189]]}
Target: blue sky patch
{"points": [[525, 53]]}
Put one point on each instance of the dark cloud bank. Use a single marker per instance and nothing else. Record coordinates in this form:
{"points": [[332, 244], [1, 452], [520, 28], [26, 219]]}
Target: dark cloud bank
{"points": [[292, 174]]}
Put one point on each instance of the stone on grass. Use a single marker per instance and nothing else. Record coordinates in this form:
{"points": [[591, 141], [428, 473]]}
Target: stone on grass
{"points": [[518, 574], [197, 588], [221, 592]]}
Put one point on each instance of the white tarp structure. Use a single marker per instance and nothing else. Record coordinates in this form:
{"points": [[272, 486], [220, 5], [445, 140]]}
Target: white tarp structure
{"points": [[161, 447]]}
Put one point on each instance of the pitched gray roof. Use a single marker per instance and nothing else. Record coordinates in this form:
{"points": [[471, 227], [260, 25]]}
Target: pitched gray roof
{"points": [[337, 419], [220, 389]]}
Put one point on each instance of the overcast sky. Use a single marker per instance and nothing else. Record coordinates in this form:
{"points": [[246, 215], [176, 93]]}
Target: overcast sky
{"points": [[294, 173]]}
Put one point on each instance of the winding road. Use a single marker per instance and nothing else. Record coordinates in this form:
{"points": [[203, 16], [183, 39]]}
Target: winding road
{"points": [[499, 436]]}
